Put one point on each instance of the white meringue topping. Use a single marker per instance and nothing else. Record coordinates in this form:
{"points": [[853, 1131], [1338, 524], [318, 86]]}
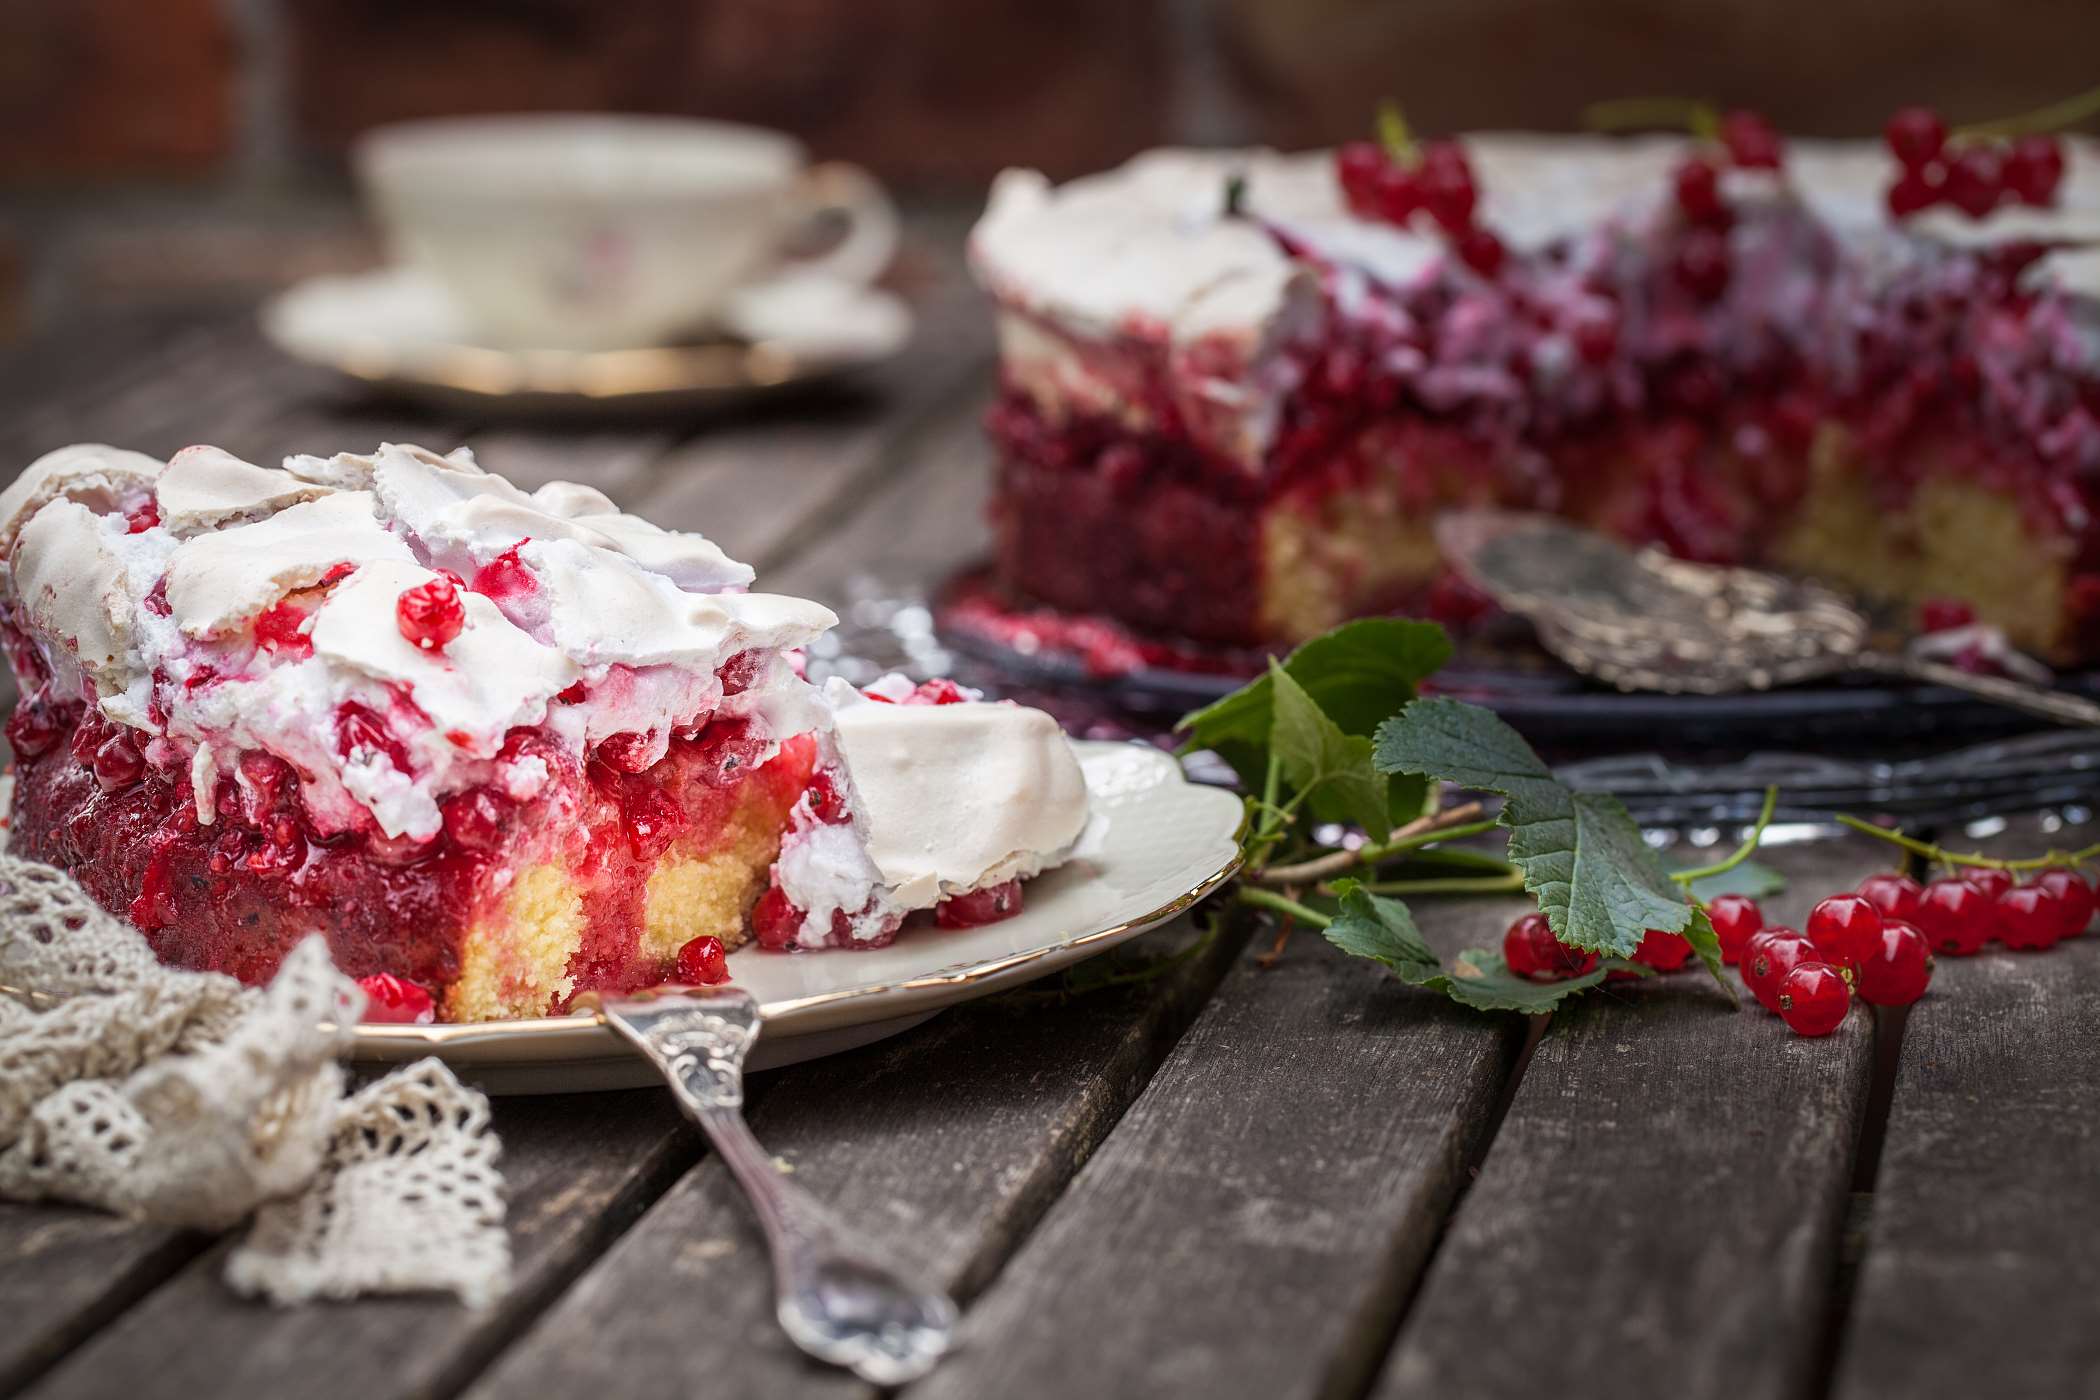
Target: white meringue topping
{"points": [[204, 487]]}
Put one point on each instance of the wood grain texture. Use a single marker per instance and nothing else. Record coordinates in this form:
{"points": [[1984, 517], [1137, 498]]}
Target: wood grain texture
{"points": [[579, 1169], [1980, 1273], [1255, 1221], [952, 1140], [67, 1272], [1663, 1203]]}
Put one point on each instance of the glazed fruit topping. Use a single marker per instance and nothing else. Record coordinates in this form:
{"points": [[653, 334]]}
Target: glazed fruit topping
{"points": [[360, 729], [1897, 971], [430, 615], [1736, 920], [979, 907], [1813, 998], [118, 763], [391, 1000], [474, 819], [703, 961]]}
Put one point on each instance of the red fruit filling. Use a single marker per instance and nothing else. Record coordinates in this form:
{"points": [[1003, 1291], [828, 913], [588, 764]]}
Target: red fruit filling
{"points": [[979, 907], [277, 628], [236, 894]]}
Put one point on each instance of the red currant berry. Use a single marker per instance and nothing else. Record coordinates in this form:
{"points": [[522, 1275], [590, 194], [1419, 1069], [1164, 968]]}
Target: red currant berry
{"points": [[1698, 186], [1896, 896], [506, 576], [1770, 956], [826, 803], [1915, 191], [1945, 614], [1813, 999], [938, 691], [702, 962], [1702, 265], [1596, 337], [118, 763], [1736, 920], [391, 1000], [775, 920], [278, 629], [979, 907], [1753, 143], [1897, 971], [2034, 169], [1481, 250], [1396, 196], [1955, 917], [2029, 918], [1976, 179], [1531, 950], [1843, 928], [1445, 182], [740, 672], [430, 615], [1992, 881], [1915, 136], [2074, 898], [1665, 952], [1357, 167]]}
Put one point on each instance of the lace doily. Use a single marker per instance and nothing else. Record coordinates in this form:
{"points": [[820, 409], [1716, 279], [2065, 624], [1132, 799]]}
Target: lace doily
{"points": [[185, 1099]]}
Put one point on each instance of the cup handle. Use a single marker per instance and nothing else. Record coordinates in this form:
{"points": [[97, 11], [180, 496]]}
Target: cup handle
{"points": [[871, 224]]}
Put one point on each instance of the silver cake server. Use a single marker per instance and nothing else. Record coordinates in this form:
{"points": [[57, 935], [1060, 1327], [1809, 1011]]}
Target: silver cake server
{"points": [[835, 1299], [1642, 620]]}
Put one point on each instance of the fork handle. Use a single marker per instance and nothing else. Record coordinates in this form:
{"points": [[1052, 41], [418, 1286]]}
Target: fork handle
{"points": [[2040, 701]]}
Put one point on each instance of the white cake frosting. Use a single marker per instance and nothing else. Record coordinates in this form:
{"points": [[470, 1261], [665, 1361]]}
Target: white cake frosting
{"points": [[945, 800], [142, 585], [1150, 250]]}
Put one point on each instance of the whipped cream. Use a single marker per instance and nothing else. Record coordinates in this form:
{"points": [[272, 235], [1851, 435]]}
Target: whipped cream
{"points": [[945, 799], [219, 606]]}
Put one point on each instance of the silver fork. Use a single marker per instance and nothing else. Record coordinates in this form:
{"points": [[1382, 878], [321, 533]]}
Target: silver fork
{"points": [[835, 1299]]}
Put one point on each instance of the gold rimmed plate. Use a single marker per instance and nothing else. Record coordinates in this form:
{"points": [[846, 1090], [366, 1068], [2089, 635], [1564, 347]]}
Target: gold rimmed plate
{"points": [[396, 329], [1159, 844]]}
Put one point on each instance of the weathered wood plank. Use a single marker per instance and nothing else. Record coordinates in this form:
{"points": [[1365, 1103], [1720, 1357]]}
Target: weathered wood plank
{"points": [[67, 1272], [579, 1169], [1663, 1203], [1980, 1269], [1256, 1219], [954, 1138]]}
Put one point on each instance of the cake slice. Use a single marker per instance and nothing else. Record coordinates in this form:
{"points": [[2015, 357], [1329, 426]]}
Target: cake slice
{"points": [[501, 746], [925, 799]]}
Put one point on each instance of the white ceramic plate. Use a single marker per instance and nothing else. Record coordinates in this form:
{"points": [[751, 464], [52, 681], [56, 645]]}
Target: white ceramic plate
{"points": [[396, 328], [1161, 843]]}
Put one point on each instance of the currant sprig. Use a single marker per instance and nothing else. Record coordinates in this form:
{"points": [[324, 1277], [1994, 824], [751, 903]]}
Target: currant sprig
{"points": [[1940, 855], [1396, 178]]}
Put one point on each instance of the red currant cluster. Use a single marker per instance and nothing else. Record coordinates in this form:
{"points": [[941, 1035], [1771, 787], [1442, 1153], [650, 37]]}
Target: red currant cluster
{"points": [[1974, 174], [1436, 181], [1877, 941], [1748, 142]]}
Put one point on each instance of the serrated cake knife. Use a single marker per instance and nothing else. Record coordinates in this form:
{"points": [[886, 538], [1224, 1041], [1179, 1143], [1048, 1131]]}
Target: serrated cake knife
{"points": [[1642, 620]]}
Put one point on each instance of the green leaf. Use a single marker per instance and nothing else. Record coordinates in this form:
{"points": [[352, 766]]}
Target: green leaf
{"points": [[1596, 880], [1752, 878], [1371, 926], [1357, 675], [1333, 769]]}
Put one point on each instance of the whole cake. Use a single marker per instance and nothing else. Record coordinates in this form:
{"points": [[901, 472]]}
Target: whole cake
{"points": [[1236, 393], [499, 747]]}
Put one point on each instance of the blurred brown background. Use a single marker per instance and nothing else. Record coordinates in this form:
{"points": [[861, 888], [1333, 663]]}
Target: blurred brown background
{"points": [[187, 145]]}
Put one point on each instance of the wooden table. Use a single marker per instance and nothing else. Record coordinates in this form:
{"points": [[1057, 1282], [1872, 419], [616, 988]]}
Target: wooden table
{"points": [[1232, 1175]]}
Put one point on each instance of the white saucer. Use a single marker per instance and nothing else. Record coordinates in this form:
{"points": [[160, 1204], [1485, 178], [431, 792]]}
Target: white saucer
{"points": [[1162, 844], [397, 328]]}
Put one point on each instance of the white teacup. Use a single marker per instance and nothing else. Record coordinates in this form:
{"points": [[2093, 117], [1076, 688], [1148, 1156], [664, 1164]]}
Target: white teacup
{"points": [[607, 232]]}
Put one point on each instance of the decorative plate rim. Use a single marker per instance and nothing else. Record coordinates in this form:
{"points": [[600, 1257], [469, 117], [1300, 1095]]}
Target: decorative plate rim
{"points": [[376, 1040]]}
